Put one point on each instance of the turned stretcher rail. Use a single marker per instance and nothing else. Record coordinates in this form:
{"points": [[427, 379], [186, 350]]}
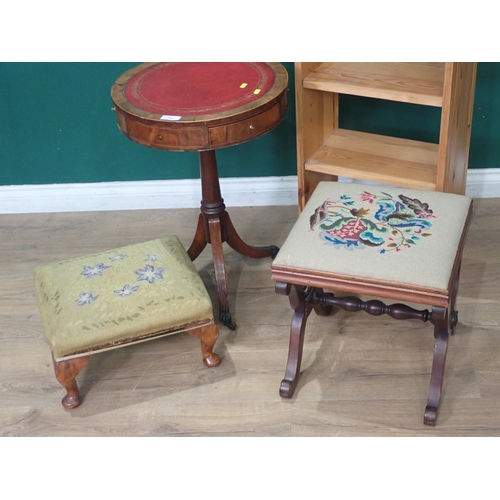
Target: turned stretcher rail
{"points": [[373, 307]]}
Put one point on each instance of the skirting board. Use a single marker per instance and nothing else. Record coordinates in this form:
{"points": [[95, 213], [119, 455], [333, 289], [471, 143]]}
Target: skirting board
{"points": [[186, 193]]}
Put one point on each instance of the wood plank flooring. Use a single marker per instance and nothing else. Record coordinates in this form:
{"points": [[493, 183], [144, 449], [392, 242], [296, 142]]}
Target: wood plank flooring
{"points": [[361, 375]]}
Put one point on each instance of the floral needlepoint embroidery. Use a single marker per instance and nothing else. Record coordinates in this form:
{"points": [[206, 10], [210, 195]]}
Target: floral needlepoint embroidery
{"points": [[126, 291], [91, 271], [85, 298], [117, 257], [376, 220], [151, 258], [149, 274], [366, 196]]}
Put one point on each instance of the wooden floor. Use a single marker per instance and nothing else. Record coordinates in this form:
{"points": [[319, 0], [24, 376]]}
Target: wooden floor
{"points": [[362, 375]]}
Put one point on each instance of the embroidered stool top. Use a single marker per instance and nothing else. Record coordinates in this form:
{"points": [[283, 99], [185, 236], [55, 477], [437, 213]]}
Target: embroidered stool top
{"points": [[127, 295], [362, 238]]}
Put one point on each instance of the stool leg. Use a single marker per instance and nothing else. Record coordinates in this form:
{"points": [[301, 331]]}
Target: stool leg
{"points": [[208, 335], [66, 371], [452, 311], [445, 321], [441, 333], [302, 308]]}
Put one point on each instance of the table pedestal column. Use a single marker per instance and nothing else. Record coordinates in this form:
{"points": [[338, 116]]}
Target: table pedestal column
{"points": [[215, 227]]}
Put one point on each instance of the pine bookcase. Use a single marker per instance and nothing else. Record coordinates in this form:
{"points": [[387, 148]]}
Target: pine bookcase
{"points": [[325, 151]]}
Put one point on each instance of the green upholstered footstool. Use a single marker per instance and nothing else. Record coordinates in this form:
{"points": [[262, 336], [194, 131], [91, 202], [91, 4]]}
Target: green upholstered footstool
{"points": [[121, 297], [393, 243]]}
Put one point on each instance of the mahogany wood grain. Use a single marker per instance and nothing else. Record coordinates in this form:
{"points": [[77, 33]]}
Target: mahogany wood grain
{"points": [[351, 284], [305, 290], [441, 334], [374, 307], [321, 308], [208, 334], [66, 372], [220, 272], [215, 227], [362, 376], [302, 299], [384, 289], [200, 240], [298, 296], [213, 130], [205, 133]]}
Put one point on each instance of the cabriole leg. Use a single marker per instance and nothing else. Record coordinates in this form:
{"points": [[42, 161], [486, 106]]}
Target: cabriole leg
{"points": [[66, 371], [208, 335]]}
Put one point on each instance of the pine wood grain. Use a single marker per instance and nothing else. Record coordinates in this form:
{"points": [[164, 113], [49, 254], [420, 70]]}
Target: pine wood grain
{"points": [[455, 130], [377, 158], [418, 83], [324, 151], [362, 375]]}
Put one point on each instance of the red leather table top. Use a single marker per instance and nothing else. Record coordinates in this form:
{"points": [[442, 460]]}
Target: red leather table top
{"points": [[191, 106], [191, 89]]}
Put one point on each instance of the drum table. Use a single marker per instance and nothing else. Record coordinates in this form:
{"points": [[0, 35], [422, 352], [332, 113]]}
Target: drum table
{"points": [[203, 107]]}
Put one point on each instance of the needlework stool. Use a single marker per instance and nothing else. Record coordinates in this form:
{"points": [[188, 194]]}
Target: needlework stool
{"points": [[391, 243], [121, 297]]}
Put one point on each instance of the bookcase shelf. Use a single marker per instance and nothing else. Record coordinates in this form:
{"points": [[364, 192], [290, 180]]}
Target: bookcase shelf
{"points": [[325, 151]]}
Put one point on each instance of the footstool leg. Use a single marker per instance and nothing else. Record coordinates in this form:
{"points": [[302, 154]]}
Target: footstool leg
{"points": [[208, 335], [298, 297], [441, 332], [66, 371]]}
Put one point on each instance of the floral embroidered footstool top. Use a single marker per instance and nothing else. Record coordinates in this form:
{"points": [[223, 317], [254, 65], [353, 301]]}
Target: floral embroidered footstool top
{"points": [[379, 233], [121, 295]]}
